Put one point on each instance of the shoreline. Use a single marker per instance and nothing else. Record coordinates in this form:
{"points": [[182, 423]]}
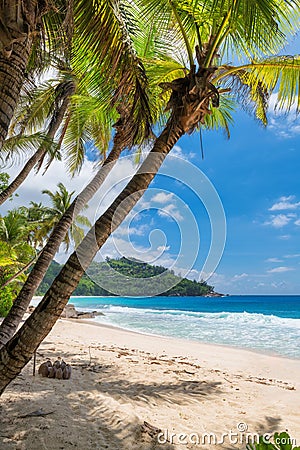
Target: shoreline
{"points": [[261, 352], [121, 379], [257, 350], [131, 337]]}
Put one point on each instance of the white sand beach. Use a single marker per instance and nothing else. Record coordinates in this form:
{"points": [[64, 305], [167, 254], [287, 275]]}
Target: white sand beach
{"points": [[121, 379]]}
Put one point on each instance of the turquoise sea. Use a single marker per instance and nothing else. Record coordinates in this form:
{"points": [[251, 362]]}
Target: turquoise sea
{"points": [[270, 324]]}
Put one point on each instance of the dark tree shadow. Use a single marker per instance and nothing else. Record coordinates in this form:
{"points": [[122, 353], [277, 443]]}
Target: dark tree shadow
{"points": [[107, 426]]}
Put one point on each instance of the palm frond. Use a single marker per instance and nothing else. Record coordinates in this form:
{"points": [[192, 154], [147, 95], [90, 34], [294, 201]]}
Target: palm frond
{"points": [[51, 35], [75, 138], [162, 71], [77, 234], [279, 74], [84, 221], [19, 147], [244, 28], [104, 30], [34, 108], [221, 117]]}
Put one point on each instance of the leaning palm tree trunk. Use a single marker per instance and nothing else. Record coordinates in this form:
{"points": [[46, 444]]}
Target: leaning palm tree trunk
{"points": [[56, 121], [20, 22], [12, 74], [15, 315], [189, 104], [18, 351]]}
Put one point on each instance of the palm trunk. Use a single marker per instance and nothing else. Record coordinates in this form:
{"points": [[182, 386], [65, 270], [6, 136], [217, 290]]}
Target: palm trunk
{"points": [[20, 305], [12, 74], [18, 23], [40, 153], [18, 351]]}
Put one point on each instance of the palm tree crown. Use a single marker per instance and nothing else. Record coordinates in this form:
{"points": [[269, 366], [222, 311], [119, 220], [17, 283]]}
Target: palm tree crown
{"points": [[60, 202]]}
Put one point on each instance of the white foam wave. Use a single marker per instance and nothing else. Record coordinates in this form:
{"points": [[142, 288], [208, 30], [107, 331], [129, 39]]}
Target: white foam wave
{"points": [[229, 317], [251, 330]]}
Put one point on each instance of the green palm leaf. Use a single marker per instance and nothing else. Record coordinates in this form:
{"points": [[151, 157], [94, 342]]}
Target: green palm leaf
{"points": [[19, 147], [221, 117], [104, 31], [279, 74]]}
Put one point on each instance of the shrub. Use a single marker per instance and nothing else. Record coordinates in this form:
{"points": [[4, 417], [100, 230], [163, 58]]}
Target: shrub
{"points": [[6, 300], [281, 441]]}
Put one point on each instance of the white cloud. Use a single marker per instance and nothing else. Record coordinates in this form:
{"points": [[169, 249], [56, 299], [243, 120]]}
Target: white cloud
{"points": [[239, 277], [281, 284], [297, 222], [163, 248], [284, 125], [284, 237], [280, 220], [162, 197], [274, 260], [32, 188], [171, 212], [126, 230], [142, 205], [116, 247], [295, 255], [285, 203], [280, 269], [178, 153]]}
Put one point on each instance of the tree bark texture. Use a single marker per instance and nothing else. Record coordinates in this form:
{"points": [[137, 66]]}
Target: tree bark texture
{"points": [[12, 74], [18, 24]]}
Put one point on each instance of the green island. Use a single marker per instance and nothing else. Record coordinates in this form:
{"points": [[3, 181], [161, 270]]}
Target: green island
{"points": [[90, 285]]}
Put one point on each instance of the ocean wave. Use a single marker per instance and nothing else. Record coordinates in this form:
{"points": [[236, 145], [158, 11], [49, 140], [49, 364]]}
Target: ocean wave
{"points": [[224, 316], [261, 330]]}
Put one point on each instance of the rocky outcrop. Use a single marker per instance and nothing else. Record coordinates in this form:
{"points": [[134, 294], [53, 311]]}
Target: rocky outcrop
{"points": [[70, 312]]}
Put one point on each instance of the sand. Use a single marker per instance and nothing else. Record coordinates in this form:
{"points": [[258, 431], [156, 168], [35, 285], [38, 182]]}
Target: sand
{"points": [[121, 380]]}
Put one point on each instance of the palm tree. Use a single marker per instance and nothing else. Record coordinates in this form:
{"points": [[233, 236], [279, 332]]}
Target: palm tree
{"points": [[124, 89], [61, 201], [8, 264], [71, 119], [128, 134], [25, 229], [14, 241], [252, 26], [35, 277], [64, 90], [22, 234], [26, 25], [13, 228]]}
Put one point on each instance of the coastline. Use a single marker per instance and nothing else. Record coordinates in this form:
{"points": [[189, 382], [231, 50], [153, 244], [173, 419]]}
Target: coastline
{"points": [[232, 328], [122, 378], [208, 346], [122, 336]]}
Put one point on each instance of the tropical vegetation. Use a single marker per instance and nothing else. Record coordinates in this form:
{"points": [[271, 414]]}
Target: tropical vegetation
{"points": [[151, 62], [92, 282], [23, 232]]}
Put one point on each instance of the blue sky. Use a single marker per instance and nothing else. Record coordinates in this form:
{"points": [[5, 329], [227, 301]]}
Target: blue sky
{"points": [[256, 176]]}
